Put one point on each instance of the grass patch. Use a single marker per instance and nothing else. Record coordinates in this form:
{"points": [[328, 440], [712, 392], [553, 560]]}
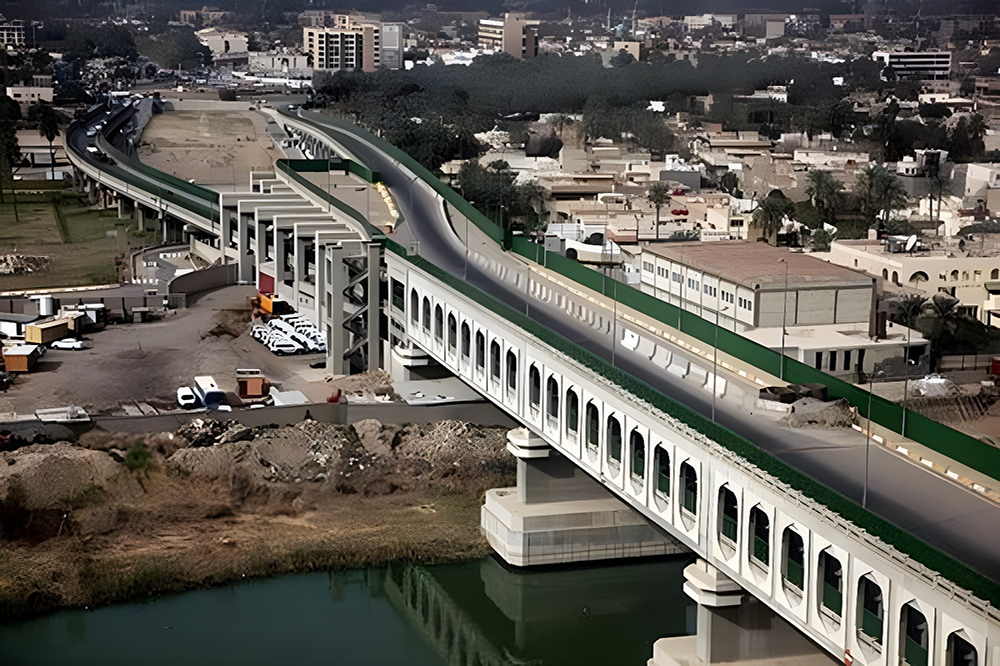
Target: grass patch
{"points": [[61, 226]]}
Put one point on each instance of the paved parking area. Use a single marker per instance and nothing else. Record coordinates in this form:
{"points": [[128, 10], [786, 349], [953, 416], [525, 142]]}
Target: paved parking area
{"points": [[148, 362]]}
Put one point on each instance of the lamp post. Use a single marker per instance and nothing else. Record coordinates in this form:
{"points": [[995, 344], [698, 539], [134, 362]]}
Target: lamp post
{"points": [[784, 315], [868, 435], [906, 378], [466, 272], [715, 357]]}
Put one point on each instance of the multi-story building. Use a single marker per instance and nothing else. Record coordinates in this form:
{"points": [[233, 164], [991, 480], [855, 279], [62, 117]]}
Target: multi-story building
{"points": [[279, 64], [818, 313], [11, 32], [512, 34], [348, 41], [917, 65]]}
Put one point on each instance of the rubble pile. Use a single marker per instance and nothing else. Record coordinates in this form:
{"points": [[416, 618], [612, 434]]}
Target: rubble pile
{"points": [[19, 264]]}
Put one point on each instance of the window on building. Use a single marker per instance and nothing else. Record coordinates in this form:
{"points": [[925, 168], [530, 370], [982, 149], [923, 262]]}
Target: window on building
{"points": [[552, 388], [438, 323], [662, 463], [572, 412], [614, 440], [637, 446], [398, 295], [452, 333], [871, 619], [729, 517], [831, 581], [427, 314], [414, 306], [593, 426], [793, 559], [480, 351], [819, 360], [833, 361], [466, 335], [495, 361], [760, 538], [511, 371], [534, 387], [847, 359]]}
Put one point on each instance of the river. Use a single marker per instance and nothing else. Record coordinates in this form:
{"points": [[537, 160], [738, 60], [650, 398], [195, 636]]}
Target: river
{"points": [[475, 613]]}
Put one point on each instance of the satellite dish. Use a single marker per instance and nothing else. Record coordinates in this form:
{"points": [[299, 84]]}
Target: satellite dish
{"points": [[911, 243]]}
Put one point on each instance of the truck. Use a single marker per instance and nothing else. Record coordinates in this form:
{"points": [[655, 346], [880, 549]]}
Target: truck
{"points": [[208, 392]]}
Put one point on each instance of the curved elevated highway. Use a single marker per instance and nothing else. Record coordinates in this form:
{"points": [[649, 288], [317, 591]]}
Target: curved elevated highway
{"points": [[847, 579]]}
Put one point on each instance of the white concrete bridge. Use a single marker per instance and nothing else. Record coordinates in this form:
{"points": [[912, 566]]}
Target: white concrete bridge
{"points": [[855, 584]]}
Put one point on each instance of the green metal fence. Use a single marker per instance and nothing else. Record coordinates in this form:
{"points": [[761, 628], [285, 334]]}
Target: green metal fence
{"points": [[871, 625], [833, 599], [914, 653], [794, 573], [294, 169]]}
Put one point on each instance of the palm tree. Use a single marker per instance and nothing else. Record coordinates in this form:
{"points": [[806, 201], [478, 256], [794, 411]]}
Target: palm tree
{"points": [[771, 213], [824, 190], [48, 128], [977, 130], [906, 309], [880, 192], [658, 194]]}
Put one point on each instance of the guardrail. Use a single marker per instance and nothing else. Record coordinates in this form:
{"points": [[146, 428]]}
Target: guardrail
{"points": [[291, 168], [956, 445], [742, 449]]}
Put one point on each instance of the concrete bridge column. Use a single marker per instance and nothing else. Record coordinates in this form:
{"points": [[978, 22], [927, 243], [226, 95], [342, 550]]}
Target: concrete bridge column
{"points": [[374, 306], [92, 191], [559, 514], [246, 260], [299, 245], [125, 208], [336, 334]]}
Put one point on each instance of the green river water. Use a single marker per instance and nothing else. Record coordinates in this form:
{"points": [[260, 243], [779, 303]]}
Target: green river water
{"points": [[474, 614]]}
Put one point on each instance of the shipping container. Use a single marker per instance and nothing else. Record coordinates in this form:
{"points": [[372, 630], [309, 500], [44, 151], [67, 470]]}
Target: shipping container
{"points": [[45, 332]]}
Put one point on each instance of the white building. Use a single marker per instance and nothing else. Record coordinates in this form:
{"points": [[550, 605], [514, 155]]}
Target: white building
{"points": [[11, 32], [921, 65], [279, 64], [223, 43]]}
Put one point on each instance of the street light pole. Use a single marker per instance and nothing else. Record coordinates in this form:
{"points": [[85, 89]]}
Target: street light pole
{"points": [[715, 357], [784, 315], [868, 437], [906, 379]]}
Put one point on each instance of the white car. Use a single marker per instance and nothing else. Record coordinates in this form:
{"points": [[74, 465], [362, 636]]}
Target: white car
{"points": [[283, 346], [186, 397], [70, 344]]}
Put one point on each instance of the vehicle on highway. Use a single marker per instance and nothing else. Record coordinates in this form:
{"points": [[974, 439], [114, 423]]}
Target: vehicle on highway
{"points": [[70, 344], [186, 398]]}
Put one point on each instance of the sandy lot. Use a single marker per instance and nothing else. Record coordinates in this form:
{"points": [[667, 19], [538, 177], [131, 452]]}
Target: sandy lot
{"points": [[212, 147]]}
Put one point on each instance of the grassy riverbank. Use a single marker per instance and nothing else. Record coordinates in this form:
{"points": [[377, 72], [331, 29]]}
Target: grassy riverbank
{"points": [[100, 523]]}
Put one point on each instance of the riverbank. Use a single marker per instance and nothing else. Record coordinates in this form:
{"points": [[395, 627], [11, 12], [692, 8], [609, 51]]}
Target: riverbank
{"points": [[119, 517]]}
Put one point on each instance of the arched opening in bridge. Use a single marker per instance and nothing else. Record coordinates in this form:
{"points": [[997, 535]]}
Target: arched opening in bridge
{"points": [[495, 361], [427, 315], [960, 652], [662, 463], [759, 547], [831, 581], [438, 323], [895, 277], [480, 351], [793, 565], [729, 520], [572, 413], [466, 335], [871, 612], [689, 489], [414, 306], [637, 446], [511, 371], [954, 276], [452, 333], [913, 636], [552, 402], [398, 295], [593, 426], [534, 387], [614, 440]]}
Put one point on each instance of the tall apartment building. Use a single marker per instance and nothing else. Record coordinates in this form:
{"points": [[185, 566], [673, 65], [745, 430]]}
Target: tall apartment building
{"points": [[353, 42], [927, 65], [512, 34], [11, 32]]}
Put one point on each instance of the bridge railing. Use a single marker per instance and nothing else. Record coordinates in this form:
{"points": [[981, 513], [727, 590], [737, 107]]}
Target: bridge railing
{"points": [[956, 445], [863, 520]]}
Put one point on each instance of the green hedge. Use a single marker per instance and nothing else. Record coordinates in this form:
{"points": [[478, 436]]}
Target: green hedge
{"points": [[944, 564]]}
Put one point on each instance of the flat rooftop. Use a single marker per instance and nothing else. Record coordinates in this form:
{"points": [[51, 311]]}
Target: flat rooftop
{"points": [[758, 265]]}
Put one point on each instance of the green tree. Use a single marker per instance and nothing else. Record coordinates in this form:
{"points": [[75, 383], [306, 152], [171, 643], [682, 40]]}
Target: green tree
{"points": [[906, 309], [730, 183], [658, 194], [825, 191], [771, 212], [622, 59], [821, 240], [10, 151], [879, 192], [48, 128]]}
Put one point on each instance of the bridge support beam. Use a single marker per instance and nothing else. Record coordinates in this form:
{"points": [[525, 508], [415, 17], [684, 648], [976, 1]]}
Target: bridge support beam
{"points": [[559, 514], [734, 628]]}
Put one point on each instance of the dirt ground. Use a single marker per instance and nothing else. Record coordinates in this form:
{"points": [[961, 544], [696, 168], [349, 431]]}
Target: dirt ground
{"points": [[150, 361], [95, 522], [80, 242], [211, 147]]}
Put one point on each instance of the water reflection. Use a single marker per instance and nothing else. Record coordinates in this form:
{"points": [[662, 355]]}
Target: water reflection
{"points": [[475, 614]]}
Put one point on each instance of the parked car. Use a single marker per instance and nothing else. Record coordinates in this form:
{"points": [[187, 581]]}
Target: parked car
{"points": [[70, 344], [282, 346], [186, 397]]}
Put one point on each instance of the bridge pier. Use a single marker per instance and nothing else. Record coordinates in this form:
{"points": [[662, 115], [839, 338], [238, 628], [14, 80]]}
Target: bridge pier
{"points": [[734, 628], [558, 514]]}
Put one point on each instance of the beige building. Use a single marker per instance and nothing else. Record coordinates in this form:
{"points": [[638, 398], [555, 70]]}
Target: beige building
{"points": [[11, 32], [223, 42], [512, 34], [818, 313], [349, 41], [961, 271]]}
